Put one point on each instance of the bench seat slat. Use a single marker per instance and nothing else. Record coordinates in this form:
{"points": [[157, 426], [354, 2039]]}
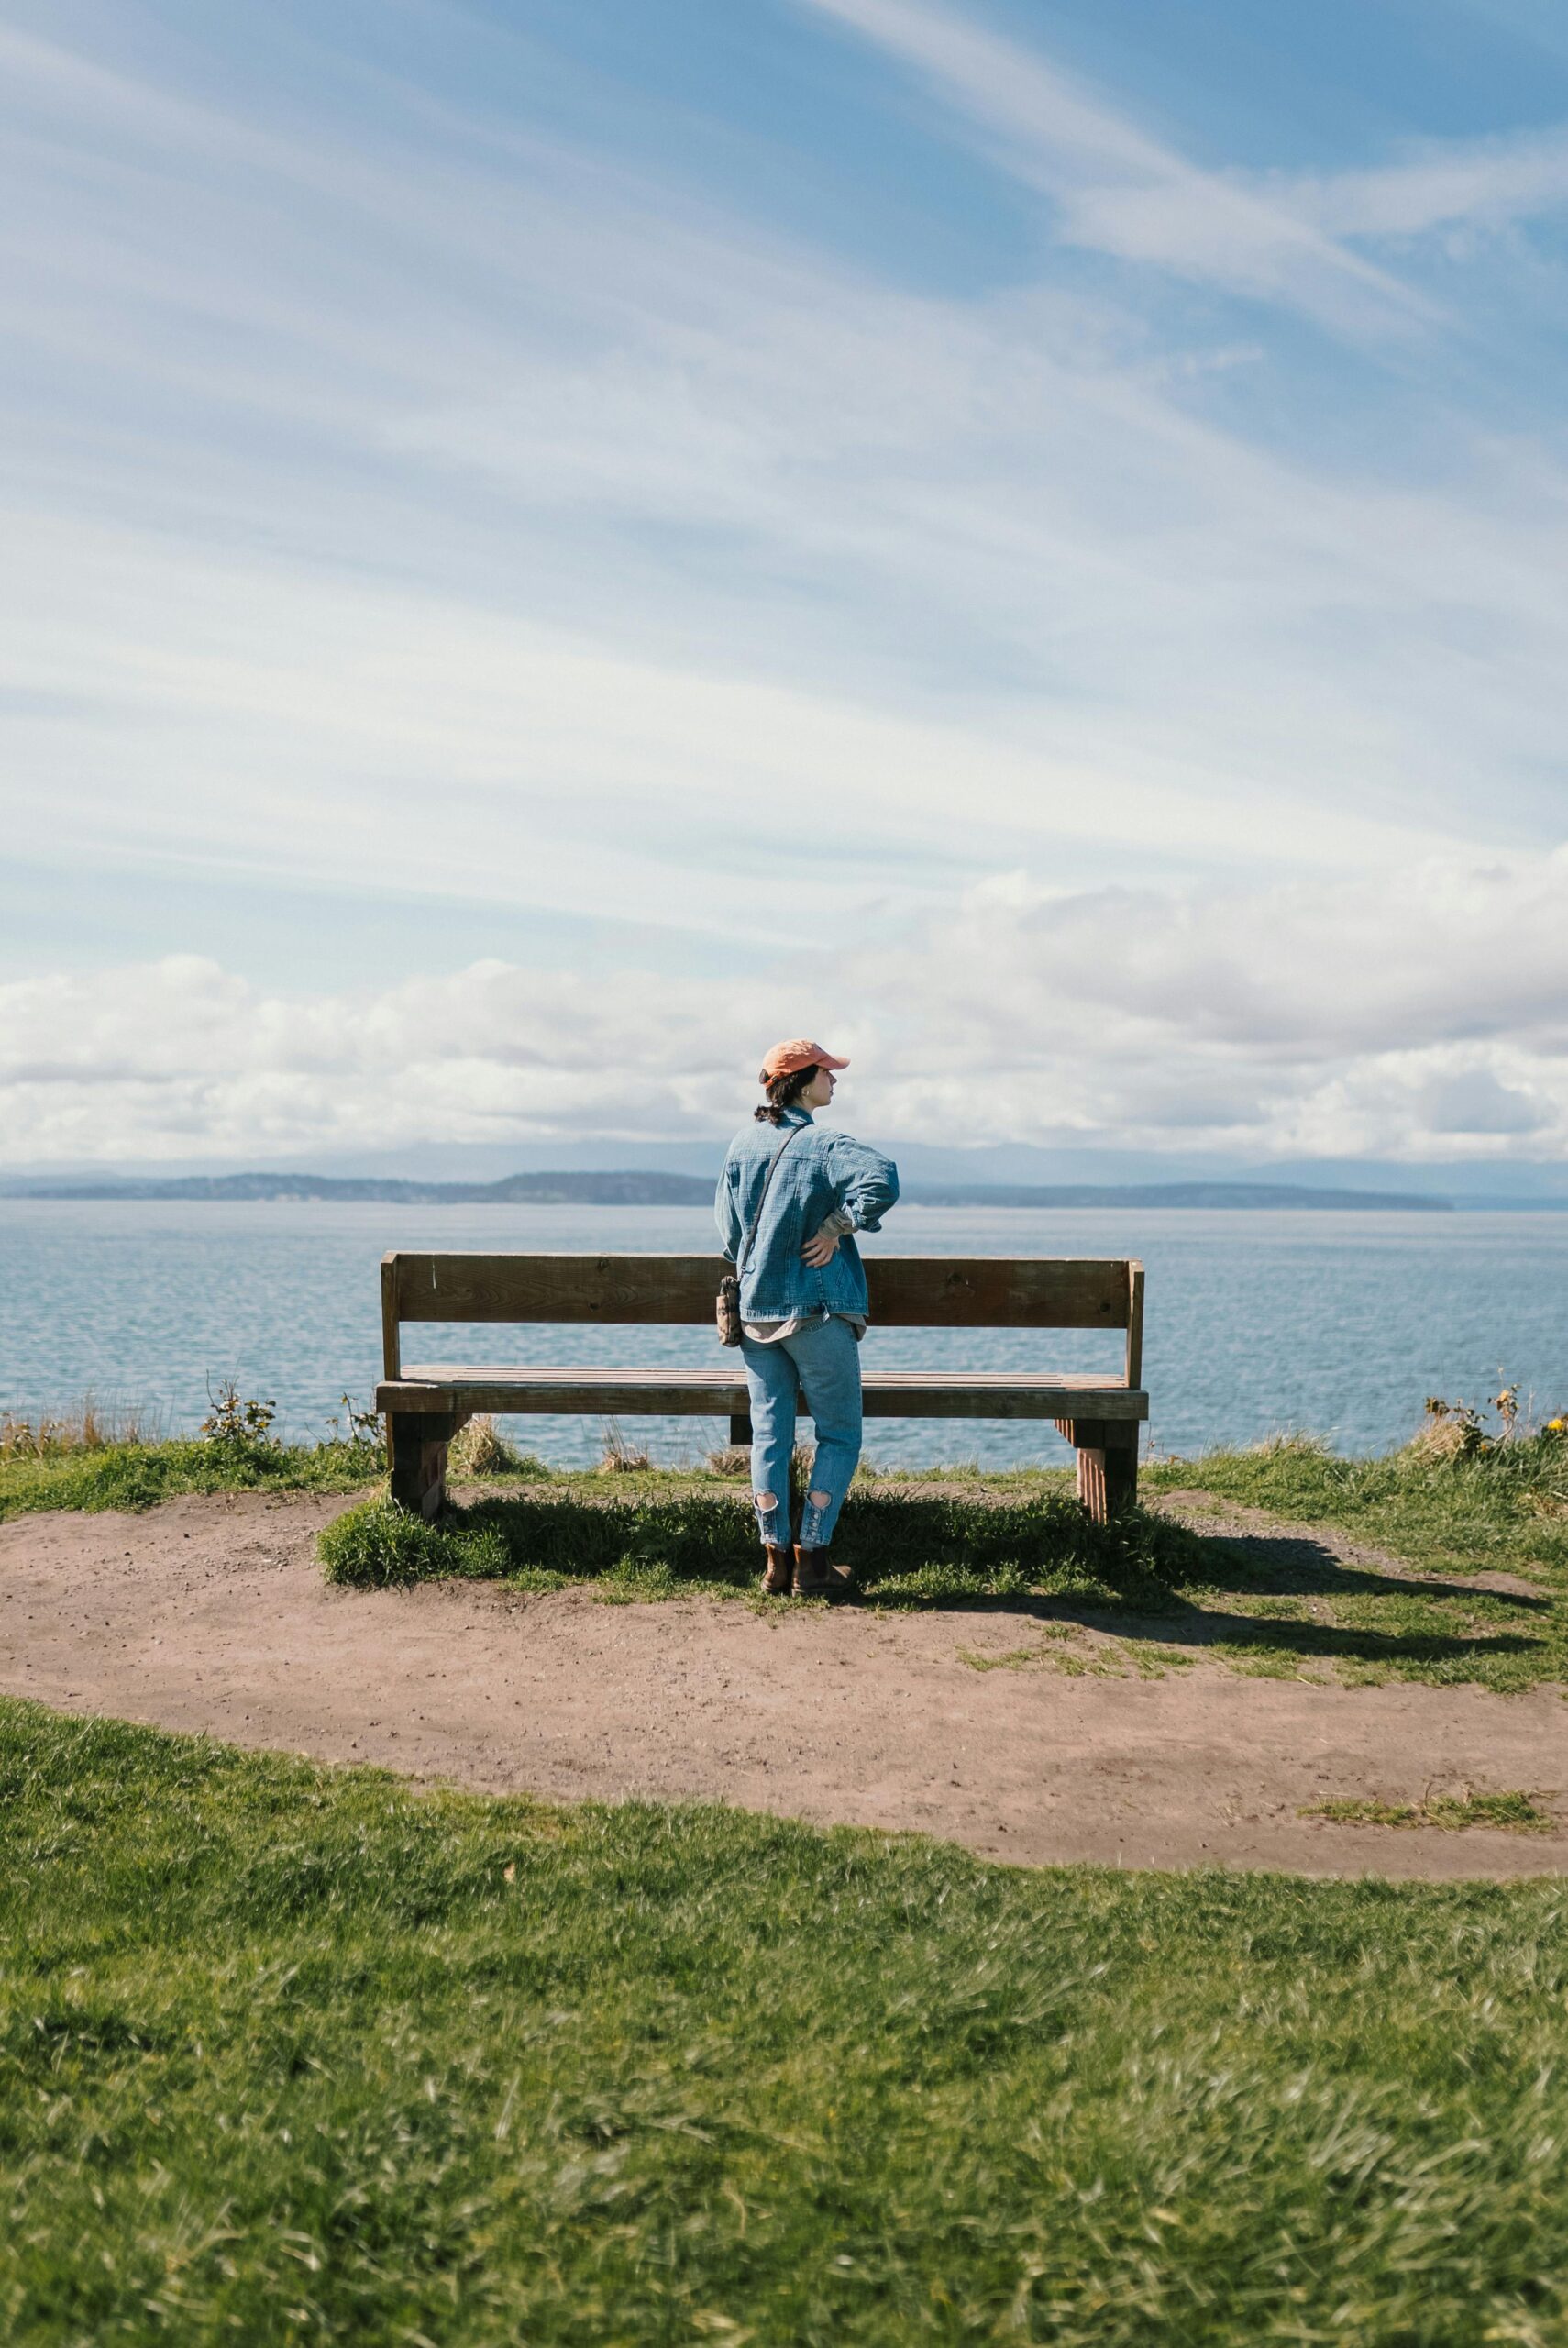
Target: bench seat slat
{"points": [[504, 1388]]}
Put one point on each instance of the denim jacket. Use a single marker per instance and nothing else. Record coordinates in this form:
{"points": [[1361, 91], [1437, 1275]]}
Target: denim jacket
{"points": [[820, 1171]]}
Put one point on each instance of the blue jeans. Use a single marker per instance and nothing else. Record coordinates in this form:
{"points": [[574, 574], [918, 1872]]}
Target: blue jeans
{"points": [[825, 1362]]}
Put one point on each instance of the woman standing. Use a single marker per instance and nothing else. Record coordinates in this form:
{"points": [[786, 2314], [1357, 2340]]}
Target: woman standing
{"points": [[789, 1200]]}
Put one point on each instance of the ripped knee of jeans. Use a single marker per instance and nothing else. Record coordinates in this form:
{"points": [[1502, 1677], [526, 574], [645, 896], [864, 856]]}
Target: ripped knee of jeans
{"points": [[819, 1500], [766, 1506]]}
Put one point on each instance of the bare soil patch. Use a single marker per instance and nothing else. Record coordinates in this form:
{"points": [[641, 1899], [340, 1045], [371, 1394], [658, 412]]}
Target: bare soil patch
{"points": [[211, 1614]]}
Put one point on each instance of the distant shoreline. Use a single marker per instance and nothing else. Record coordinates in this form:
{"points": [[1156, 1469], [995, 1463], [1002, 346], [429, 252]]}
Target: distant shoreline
{"points": [[591, 1188]]}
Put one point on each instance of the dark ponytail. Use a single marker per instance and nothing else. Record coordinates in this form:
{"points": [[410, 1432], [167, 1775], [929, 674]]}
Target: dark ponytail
{"points": [[783, 1093]]}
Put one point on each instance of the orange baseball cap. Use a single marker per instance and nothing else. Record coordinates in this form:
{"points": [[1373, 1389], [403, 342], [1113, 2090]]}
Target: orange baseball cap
{"points": [[784, 1059]]}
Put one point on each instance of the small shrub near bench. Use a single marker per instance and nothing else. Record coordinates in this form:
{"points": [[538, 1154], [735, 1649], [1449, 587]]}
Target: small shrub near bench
{"points": [[903, 1549]]}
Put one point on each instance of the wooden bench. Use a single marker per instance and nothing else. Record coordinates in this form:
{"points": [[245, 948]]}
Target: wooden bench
{"points": [[426, 1403]]}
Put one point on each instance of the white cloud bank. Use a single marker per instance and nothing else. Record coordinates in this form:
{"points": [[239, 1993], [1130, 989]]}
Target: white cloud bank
{"points": [[1422, 1014]]}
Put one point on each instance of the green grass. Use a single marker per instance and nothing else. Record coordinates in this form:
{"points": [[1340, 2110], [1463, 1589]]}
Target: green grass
{"points": [[1516, 1812], [1267, 1602], [87, 1462], [1107, 1659], [1270, 1602], [1015, 1659], [914, 1547], [288, 2055], [138, 1475], [1505, 1509], [1284, 1606]]}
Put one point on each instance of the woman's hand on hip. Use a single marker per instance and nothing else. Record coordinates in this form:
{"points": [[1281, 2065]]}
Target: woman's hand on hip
{"points": [[820, 1250]]}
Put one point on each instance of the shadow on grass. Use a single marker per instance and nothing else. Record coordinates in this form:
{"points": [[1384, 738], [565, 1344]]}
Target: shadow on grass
{"points": [[1250, 1599], [1265, 1603], [903, 1551], [1291, 1565], [1333, 1642]]}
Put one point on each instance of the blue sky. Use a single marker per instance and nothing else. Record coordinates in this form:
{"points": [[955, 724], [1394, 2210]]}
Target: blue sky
{"points": [[544, 545]]}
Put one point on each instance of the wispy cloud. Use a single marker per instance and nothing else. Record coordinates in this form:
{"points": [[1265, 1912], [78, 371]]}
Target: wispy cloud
{"points": [[451, 508], [1489, 181], [1121, 190], [1481, 185], [621, 548]]}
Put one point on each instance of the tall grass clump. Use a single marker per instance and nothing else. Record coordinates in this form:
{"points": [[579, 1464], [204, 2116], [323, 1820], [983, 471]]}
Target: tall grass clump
{"points": [[91, 1425], [480, 1449], [384, 1546], [95, 1459], [904, 1549]]}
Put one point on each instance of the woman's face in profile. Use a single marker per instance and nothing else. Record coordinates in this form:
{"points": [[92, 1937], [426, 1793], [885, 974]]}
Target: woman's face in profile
{"points": [[818, 1092]]}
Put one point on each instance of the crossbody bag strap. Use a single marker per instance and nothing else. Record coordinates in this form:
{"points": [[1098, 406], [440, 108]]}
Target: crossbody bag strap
{"points": [[744, 1256]]}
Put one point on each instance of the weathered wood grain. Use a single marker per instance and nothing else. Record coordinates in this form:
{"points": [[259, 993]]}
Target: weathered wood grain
{"points": [[1134, 1323], [1107, 1463], [392, 1341], [416, 1457], [721, 1395], [426, 1403], [910, 1291], [998, 1292]]}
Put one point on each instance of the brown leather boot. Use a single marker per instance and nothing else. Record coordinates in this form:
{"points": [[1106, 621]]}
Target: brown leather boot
{"points": [[816, 1575], [776, 1580]]}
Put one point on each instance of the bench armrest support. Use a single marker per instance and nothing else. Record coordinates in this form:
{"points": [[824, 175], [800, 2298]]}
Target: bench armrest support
{"points": [[1135, 1323], [392, 1339]]}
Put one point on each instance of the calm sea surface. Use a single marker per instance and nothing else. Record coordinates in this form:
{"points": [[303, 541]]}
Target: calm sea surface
{"points": [[1337, 1322]]}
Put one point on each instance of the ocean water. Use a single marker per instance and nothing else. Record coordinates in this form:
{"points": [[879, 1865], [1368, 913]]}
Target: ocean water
{"points": [[1256, 1323]]}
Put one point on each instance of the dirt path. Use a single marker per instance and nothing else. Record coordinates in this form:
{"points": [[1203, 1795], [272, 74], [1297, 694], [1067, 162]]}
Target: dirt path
{"points": [[211, 1614]]}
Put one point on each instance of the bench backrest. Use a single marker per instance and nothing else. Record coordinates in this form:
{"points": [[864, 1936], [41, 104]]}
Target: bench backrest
{"points": [[920, 1291]]}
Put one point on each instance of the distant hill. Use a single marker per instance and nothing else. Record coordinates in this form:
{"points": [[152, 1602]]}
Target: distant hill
{"points": [[1167, 1194], [633, 1188], [618, 1189]]}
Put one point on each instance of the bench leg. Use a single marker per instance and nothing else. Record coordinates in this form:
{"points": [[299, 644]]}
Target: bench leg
{"points": [[416, 1457], [1108, 1464], [740, 1428]]}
